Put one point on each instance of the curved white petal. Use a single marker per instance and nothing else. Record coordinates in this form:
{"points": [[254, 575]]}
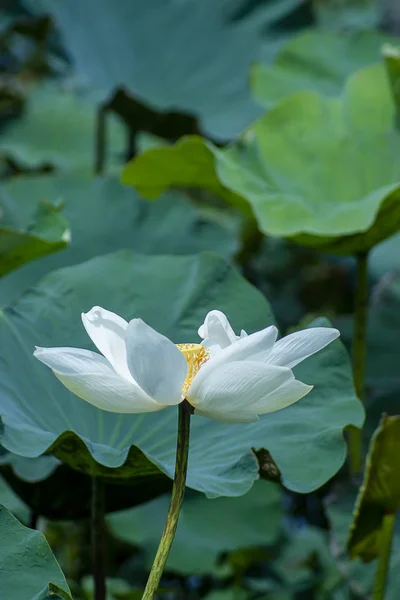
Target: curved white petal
{"points": [[107, 332], [155, 362], [296, 347], [216, 329], [284, 396], [90, 376], [255, 347], [247, 387]]}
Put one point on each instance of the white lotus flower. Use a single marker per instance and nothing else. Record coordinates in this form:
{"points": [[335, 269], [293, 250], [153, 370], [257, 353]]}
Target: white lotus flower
{"points": [[228, 378]]}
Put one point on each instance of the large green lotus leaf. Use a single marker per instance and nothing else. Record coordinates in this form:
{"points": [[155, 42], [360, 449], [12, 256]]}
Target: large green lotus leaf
{"points": [[49, 489], [44, 233], [358, 575], [315, 60], [302, 167], [379, 493], [330, 372], [57, 129], [57, 496], [173, 294], [149, 49], [104, 216], [28, 569], [188, 163], [207, 528]]}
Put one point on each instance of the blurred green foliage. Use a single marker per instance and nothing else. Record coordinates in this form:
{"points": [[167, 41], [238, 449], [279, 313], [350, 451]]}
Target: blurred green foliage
{"points": [[260, 123]]}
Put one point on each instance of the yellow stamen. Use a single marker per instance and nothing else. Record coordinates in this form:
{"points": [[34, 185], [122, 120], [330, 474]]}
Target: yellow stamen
{"points": [[196, 355]]}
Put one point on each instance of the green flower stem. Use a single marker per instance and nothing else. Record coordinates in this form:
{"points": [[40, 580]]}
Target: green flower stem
{"points": [[382, 567], [359, 354], [97, 530], [178, 491]]}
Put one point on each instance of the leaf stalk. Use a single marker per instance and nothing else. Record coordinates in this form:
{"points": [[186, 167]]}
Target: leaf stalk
{"points": [[382, 568]]}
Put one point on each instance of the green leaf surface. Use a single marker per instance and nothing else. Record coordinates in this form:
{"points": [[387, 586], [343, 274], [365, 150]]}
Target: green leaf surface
{"points": [[302, 167], [173, 294], [104, 216], [58, 129], [44, 233], [205, 74], [207, 528], [315, 60], [189, 163], [379, 493], [28, 569]]}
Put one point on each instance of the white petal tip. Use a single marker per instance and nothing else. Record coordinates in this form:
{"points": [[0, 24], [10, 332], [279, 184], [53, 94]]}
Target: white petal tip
{"points": [[85, 319], [332, 332], [139, 321], [41, 354], [93, 314], [305, 389]]}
